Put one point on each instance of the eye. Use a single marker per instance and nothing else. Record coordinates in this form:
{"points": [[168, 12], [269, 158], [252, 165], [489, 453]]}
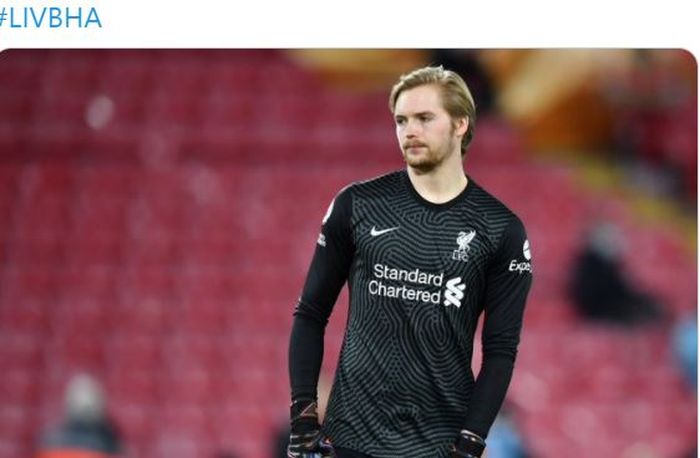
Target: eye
{"points": [[400, 121]]}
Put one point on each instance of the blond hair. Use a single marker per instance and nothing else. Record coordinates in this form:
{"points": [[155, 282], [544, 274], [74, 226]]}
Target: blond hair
{"points": [[457, 100]]}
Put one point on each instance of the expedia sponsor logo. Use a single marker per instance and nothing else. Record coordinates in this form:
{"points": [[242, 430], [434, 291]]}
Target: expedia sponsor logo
{"points": [[520, 267]]}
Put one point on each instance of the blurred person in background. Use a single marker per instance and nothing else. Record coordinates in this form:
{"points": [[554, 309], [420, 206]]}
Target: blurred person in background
{"points": [[505, 439], [86, 431], [684, 346], [426, 250], [684, 342], [599, 287]]}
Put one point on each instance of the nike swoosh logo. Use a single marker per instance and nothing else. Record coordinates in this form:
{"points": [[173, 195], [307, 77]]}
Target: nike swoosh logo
{"points": [[374, 232]]}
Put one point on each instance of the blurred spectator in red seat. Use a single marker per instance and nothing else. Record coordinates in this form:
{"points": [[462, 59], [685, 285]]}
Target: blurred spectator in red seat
{"points": [[86, 431], [599, 287]]}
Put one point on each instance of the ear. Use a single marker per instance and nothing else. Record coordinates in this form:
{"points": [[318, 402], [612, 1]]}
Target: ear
{"points": [[461, 126]]}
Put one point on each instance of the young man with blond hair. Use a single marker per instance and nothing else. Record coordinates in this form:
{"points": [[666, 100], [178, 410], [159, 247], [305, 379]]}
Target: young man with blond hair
{"points": [[424, 251]]}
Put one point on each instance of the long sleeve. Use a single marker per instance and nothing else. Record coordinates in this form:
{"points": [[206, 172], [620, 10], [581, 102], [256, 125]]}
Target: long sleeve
{"points": [[326, 276], [508, 283]]}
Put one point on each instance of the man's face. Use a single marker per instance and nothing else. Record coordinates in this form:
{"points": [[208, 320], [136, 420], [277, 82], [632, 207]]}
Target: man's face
{"points": [[427, 134]]}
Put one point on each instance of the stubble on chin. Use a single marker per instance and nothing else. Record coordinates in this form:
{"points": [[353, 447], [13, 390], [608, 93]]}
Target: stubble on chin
{"points": [[423, 164]]}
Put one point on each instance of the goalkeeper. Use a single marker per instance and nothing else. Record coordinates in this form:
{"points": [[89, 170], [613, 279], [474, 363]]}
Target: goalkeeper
{"points": [[403, 386]]}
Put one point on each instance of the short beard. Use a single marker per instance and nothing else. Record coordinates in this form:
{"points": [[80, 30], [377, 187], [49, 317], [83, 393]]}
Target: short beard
{"points": [[429, 163], [423, 166]]}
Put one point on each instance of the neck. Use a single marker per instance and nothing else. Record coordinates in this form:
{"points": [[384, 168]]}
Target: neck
{"points": [[441, 184]]}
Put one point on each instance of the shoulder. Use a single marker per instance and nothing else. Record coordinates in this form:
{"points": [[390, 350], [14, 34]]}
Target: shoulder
{"points": [[386, 184], [374, 187], [503, 225], [363, 194], [492, 207]]}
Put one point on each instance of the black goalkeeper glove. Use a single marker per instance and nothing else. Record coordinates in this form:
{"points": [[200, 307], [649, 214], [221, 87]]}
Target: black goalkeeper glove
{"points": [[309, 445], [306, 439], [468, 445]]}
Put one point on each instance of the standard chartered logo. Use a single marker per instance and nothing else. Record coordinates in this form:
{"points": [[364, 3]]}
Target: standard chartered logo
{"points": [[415, 285], [422, 293], [454, 292]]}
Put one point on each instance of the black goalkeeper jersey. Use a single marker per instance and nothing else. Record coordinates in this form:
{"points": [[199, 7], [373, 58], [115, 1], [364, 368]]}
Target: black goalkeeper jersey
{"points": [[419, 276]]}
